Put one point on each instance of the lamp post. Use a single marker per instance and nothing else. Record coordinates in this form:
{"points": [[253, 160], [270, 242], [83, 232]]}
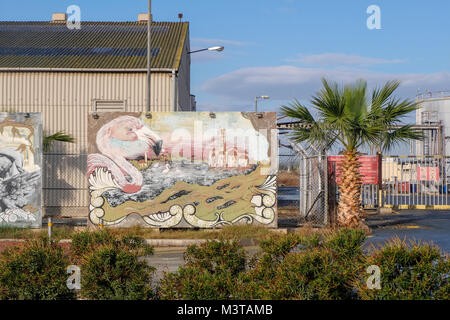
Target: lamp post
{"points": [[149, 55], [256, 101], [216, 48]]}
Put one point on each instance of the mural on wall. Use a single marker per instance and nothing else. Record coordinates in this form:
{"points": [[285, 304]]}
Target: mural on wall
{"points": [[183, 169], [20, 169]]}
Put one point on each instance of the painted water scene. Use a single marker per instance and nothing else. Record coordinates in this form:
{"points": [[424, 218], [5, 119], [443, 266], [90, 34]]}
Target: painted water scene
{"points": [[20, 169], [182, 170]]}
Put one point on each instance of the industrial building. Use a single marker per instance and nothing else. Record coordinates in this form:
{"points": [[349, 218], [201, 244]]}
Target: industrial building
{"points": [[67, 73], [434, 117]]}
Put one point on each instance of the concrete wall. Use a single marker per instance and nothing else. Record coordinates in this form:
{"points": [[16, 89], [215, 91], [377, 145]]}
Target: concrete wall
{"points": [[20, 169], [183, 169]]}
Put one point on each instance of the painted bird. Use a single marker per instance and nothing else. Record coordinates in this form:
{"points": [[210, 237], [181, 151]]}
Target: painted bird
{"points": [[124, 138]]}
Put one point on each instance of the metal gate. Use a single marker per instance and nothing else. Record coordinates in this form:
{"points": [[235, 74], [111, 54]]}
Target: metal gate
{"points": [[313, 185], [416, 182], [410, 182]]}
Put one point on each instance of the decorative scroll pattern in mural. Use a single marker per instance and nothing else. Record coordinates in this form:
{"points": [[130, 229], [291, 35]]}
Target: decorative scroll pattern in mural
{"points": [[157, 172], [20, 169]]}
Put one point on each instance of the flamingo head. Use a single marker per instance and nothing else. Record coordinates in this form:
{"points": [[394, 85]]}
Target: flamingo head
{"points": [[133, 137]]}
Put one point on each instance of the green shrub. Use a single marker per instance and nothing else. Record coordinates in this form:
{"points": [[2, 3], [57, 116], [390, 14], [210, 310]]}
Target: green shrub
{"points": [[346, 244], [115, 272], [300, 267], [194, 283], [317, 267], [110, 265], [217, 257], [210, 272], [408, 271], [311, 275], [86, 241], [36, 271]]}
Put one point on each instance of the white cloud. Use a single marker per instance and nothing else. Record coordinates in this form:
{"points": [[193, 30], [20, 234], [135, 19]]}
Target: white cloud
{"points": [[340, 59], [288, 82]]}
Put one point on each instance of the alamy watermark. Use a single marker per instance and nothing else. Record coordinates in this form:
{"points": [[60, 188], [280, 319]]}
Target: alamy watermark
{"points": [[374, 20], [73, 17], [374, 280], [74, 280]]}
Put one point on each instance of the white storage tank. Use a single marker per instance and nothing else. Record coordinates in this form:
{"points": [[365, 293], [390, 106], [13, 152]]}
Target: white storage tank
{"points": [[434, 113]]}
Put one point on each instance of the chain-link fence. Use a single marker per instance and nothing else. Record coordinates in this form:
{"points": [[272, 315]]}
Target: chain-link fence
{"points": [[313, 185]]}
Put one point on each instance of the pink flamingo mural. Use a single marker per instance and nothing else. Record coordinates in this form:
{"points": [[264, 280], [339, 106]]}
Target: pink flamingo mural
{"points": [[124, 138]]}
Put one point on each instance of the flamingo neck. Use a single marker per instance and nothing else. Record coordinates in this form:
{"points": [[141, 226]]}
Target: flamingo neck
{"points": [[136, 176]]}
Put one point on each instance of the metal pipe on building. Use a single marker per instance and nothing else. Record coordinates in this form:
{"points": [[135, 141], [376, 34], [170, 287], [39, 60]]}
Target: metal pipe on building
{"points": [[174, 90], [149, 56]]}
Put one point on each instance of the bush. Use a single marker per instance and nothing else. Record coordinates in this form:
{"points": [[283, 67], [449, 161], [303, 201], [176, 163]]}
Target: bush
{"points": [[298, 267], [408, 271], [210, 272], [293, 266], [311, 275], [36, 271], [110, 265], [114, 272], [347, 244], [217, 257], [290, 267], [86, 241]]}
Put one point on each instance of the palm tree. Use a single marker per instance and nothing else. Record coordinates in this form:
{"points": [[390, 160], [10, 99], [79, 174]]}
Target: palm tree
{"points": [[47, 141], [348, 118]]}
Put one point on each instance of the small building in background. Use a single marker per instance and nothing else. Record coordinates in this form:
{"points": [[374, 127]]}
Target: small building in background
{"points": [[67, 73]]}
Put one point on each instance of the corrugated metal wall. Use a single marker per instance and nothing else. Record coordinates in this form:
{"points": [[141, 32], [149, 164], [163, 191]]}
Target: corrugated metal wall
{"points": [[65, 98]]}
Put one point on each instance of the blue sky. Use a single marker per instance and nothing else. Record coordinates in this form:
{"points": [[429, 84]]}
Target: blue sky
{"points": [[283, 47]]}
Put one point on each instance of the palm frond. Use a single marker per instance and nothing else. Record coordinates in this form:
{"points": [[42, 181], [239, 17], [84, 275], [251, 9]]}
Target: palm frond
{"points": [[297, 111], [58, 136], [330, 103], [344, 115], [397, 109], [381, 96], [394, 137], [356, 100], [318, 134]]}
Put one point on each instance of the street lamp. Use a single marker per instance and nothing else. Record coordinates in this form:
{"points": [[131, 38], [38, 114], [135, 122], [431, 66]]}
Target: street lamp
{"points": [[256, 101], [216, 48]]}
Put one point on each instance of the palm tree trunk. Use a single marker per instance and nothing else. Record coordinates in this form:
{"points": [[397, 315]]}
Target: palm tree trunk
{"points": [[349, 207]]}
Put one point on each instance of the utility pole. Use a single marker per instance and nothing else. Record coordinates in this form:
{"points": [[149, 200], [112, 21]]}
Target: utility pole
{"points": [[149, 56]]}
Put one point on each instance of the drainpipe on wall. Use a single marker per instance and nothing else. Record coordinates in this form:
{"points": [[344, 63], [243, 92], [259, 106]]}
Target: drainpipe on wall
{"points": [[174, 90]]}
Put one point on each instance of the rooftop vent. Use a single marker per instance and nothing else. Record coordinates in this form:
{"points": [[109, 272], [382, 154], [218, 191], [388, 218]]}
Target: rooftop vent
{"points": [[59, 17], [142, 17]]}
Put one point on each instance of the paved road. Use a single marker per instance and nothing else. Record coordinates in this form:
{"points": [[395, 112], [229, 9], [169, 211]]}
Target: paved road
{"points": [[419, 225]]}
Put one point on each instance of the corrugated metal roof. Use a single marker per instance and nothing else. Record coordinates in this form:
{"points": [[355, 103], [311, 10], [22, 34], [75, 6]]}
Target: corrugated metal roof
{"points": [[97, 45]]}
